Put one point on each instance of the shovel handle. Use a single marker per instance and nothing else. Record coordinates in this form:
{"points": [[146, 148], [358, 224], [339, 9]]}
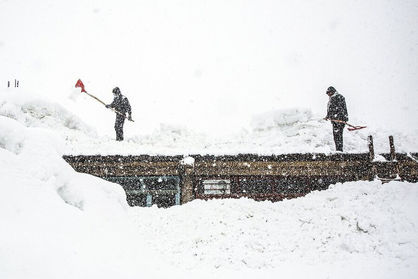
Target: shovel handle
{"points": [[353, 128], [116, 111]]}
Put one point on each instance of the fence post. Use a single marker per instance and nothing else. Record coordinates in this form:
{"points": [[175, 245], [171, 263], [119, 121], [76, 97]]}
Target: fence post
{"points": [[392, 149], [373, 171], [371, 148]]}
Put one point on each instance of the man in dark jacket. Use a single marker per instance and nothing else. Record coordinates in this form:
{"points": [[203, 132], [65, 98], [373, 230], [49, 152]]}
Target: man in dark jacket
{"points": [[337, 113], [121, 106]]}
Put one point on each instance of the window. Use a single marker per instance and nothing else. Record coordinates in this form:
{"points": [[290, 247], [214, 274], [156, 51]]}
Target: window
{"points": [[217, 187]]}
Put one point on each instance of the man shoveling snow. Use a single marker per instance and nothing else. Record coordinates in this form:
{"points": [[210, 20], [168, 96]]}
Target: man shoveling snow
{"points": [[337, 113], [120, 104]]}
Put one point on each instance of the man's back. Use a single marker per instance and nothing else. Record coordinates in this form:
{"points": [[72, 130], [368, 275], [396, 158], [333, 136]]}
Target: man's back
{"points": [[337, 109]]}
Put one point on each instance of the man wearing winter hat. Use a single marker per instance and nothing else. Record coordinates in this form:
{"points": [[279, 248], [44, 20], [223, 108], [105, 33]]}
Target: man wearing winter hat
{"points": [[121, 106], [337, 113]]}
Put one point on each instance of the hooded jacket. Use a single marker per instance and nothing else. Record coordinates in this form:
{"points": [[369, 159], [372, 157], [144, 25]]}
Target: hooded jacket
{"points": [[121, 104], [337, 109]]}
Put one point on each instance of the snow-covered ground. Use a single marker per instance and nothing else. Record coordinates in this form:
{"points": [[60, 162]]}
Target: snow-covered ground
{"points": [[280, 131], [203, 77], [356, 220], [59, 223]]}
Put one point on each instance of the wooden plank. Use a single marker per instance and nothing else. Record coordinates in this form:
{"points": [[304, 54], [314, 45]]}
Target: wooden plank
{"points": [[129, 168], [301, 157], [279, 168], [408, 168]]}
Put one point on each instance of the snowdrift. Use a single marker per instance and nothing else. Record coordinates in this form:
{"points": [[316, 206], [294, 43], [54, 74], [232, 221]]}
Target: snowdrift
{"points": [[56, 222], [33, 111], [358, 219]]}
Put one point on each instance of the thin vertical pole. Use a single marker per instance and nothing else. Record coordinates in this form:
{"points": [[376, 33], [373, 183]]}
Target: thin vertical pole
{"points": [[392, 149], [373, 171], [371, 148]]}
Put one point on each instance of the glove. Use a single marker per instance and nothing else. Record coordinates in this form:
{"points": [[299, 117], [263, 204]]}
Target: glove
{"points": [[107, 106], [130, 118]]}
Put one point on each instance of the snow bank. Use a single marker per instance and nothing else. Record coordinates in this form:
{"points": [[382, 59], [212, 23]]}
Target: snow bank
{"points": [[284, 117], [35, 112], [295, 130], [365, 220], [56, 223], [275, 132]]}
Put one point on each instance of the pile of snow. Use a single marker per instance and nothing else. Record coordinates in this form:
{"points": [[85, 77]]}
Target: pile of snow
{"points": [[285, 117], [295, 130], [56, 223], [357, 219], [34, 111]]}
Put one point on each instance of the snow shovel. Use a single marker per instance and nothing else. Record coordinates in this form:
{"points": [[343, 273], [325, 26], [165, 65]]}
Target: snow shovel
{"points": [[81, 85], [351, 127]]}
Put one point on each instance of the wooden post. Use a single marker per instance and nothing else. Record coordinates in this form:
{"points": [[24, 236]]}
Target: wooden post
{"points": [[371, 148], [187, 174], [393, 155], [373, 171], [392, 149]]}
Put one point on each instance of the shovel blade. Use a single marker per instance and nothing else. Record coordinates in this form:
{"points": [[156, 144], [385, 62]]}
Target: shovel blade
{"points": [[356, 128], [81, 85]]}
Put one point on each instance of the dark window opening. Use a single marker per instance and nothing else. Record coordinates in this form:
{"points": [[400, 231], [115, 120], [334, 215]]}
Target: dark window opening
{"points": [[163, 191]]}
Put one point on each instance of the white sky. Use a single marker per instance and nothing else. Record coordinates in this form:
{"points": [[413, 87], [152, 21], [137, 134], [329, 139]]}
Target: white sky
{"points": [[217, 63]]}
